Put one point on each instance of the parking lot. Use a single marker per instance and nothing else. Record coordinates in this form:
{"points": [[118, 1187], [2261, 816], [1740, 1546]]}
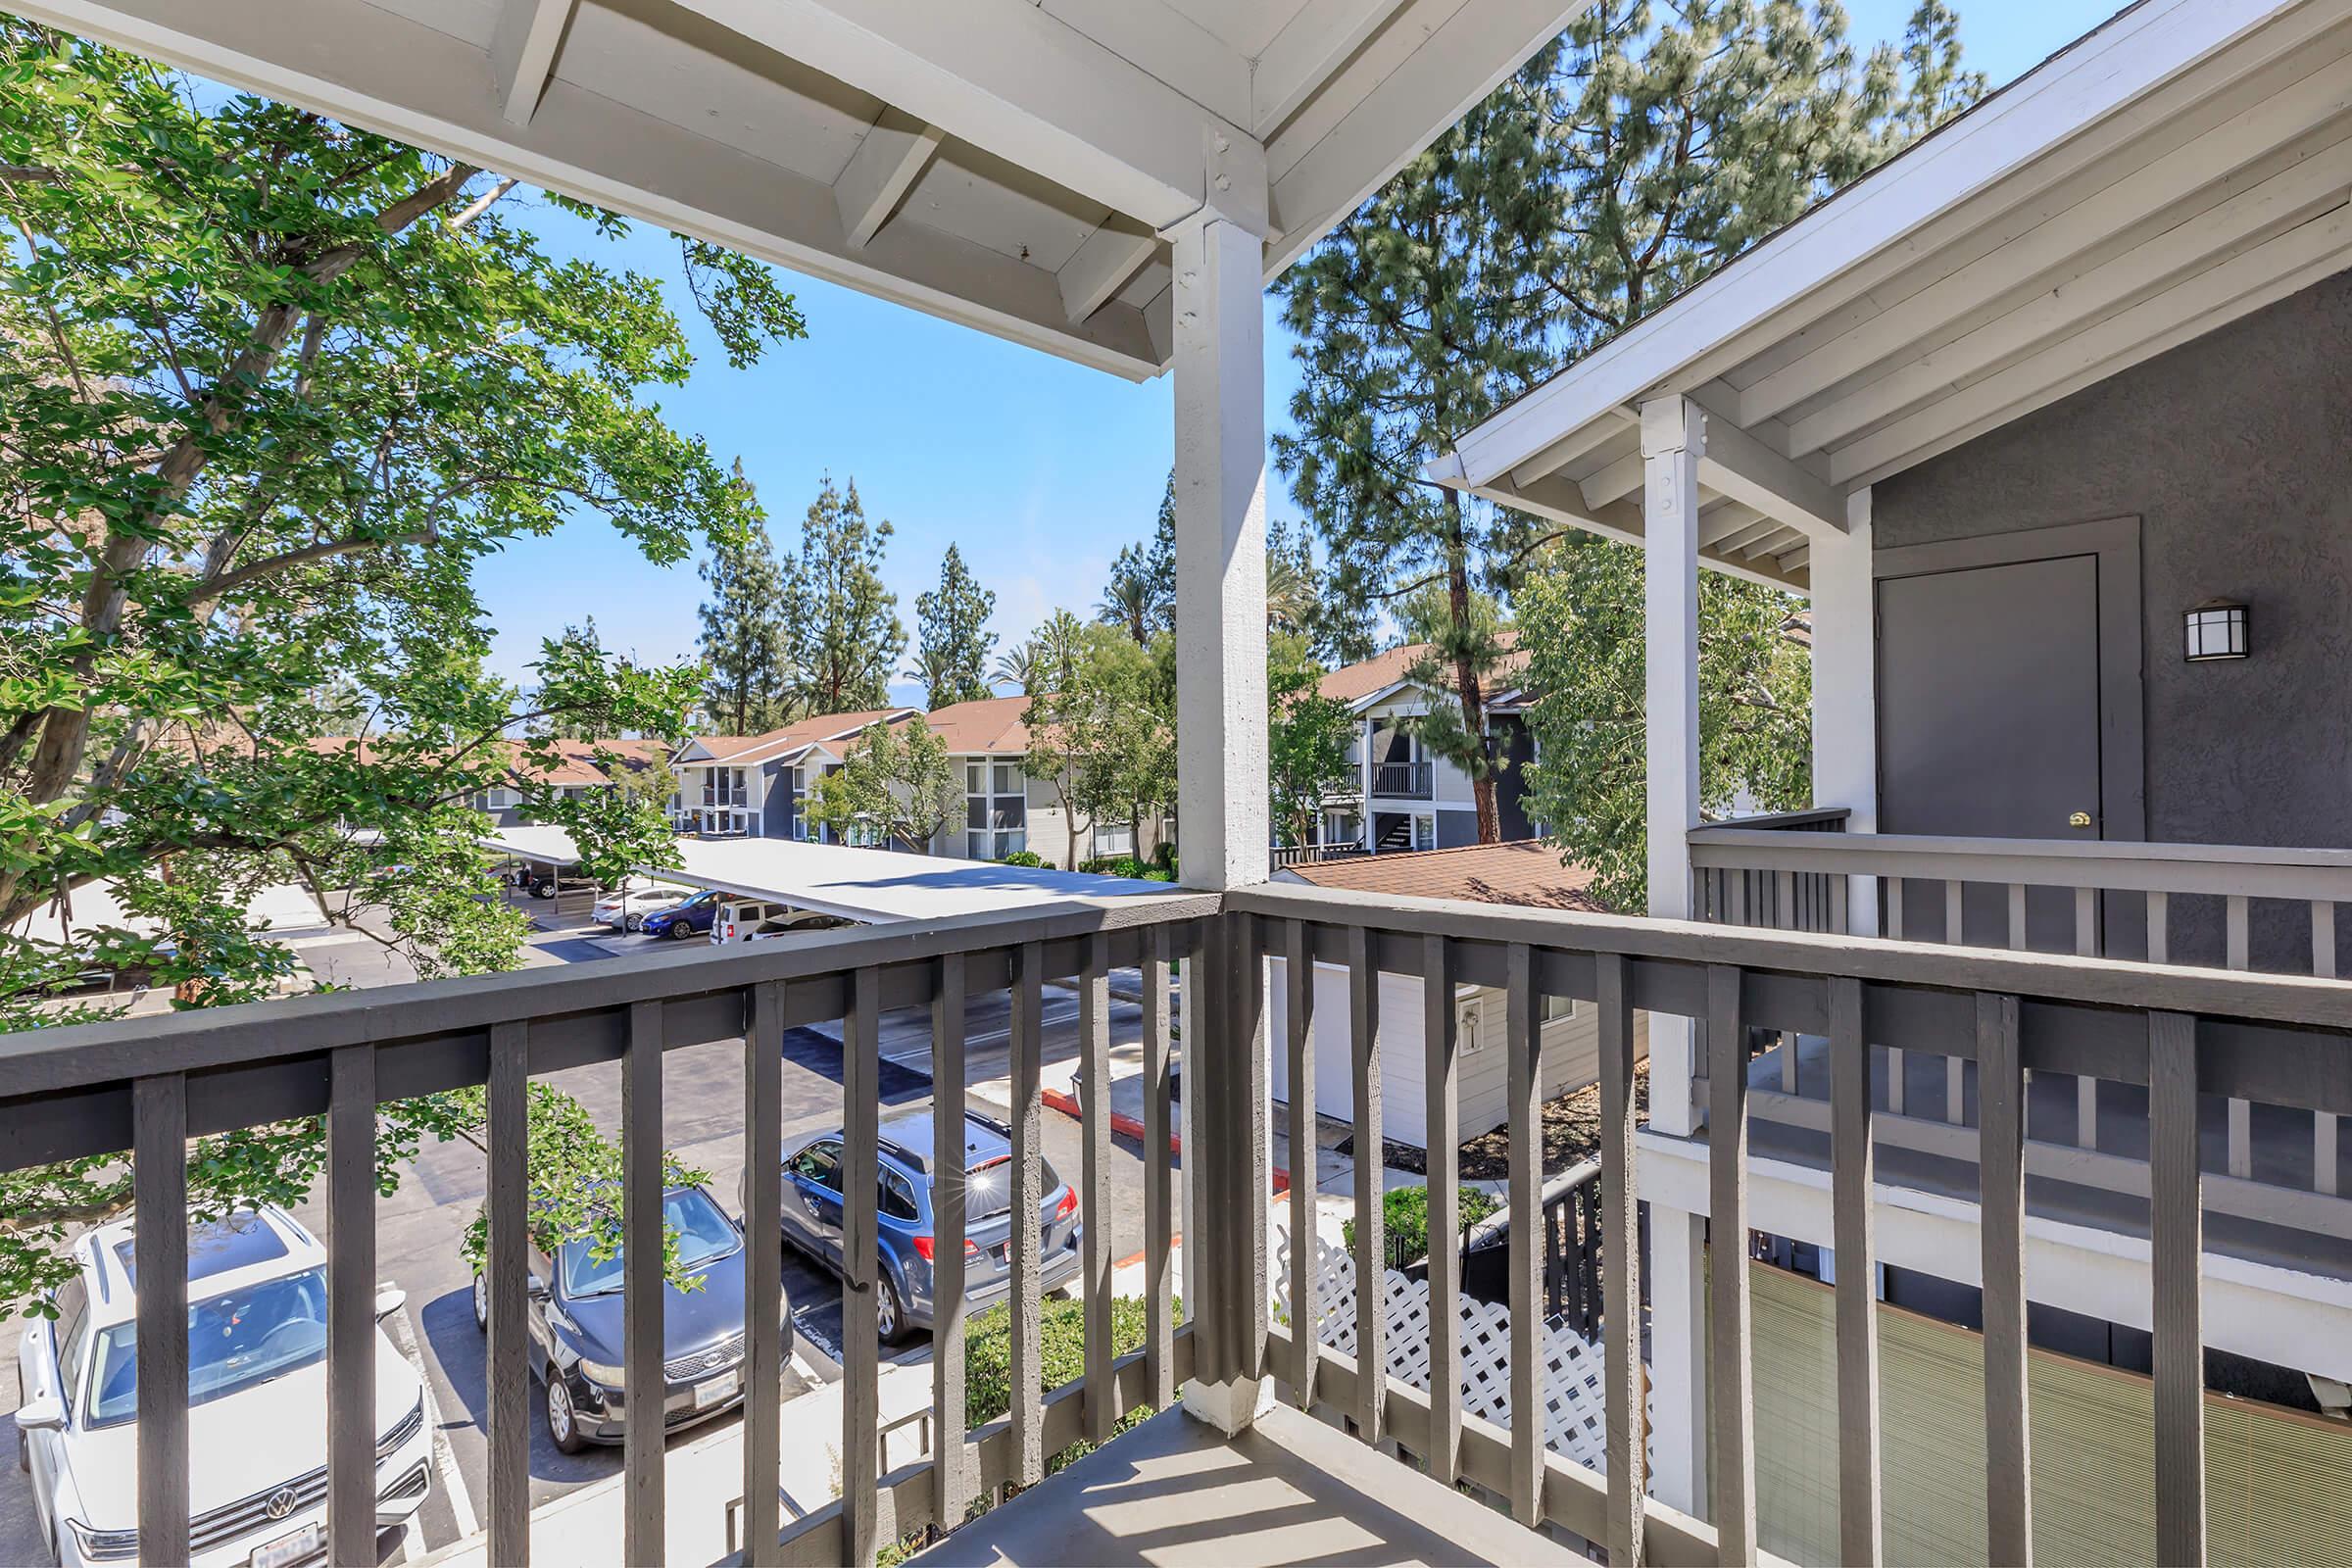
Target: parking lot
{"points": [[418, 1228]]}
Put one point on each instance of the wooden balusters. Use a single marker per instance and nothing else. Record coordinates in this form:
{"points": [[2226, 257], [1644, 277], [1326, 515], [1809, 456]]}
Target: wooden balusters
{"points": [[2001, 1180], [1371, 1218]]}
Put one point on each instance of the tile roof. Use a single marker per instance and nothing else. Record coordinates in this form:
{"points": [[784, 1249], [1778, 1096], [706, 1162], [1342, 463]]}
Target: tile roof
{"points": [[810, 731], [991, 725], [1527, 871], [1353, 683]]}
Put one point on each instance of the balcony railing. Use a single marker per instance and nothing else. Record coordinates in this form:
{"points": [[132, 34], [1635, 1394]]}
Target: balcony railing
{"points": [[1315, 853], [1404, 781], [2095, 898], [146, 1085]]}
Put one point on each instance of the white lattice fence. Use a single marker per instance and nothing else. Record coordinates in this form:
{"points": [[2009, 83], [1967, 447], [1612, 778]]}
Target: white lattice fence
{"points": [[1575, 1417]]}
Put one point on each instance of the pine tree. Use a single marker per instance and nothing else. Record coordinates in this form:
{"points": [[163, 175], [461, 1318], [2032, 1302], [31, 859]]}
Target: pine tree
{"points": [[1625, 162], [952, 641], [751, 689], [842, 625], [1417, 318]]}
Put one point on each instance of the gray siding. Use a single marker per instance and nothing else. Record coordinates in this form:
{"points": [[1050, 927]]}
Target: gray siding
{"points": [[2235, 451], [777, 813]]}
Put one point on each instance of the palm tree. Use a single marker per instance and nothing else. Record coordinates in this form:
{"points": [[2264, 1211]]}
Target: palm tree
{"points": [[1129, 602], [930, 671], [1290, 595], [1015, 667]]}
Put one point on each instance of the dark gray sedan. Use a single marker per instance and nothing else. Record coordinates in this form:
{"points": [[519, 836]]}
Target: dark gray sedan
{"points": [[575, 1327]]}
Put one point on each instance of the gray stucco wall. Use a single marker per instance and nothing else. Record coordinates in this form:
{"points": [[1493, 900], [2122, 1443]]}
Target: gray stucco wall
{"points": [[2235, 452], [776, 811]]}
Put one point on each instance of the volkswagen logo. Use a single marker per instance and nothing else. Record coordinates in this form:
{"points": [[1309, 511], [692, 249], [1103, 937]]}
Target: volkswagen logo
{"points": [[281, 1502]]}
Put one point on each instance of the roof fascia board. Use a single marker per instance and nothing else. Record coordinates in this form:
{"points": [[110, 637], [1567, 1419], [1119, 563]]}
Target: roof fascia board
{"points": [[2134, 52]]}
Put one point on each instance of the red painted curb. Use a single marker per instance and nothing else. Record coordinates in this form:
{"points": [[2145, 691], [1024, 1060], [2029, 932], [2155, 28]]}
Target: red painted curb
{"points": [[1127, 1126]]}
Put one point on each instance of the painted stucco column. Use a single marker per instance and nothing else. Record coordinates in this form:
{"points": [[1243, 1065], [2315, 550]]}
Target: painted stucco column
{"points": [[1365, 767], [1223, 810], [1845, 726], [1673, 440]]}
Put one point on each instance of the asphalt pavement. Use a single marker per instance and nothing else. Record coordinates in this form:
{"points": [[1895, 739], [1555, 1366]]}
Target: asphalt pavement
{"points": [[419, 1226]]}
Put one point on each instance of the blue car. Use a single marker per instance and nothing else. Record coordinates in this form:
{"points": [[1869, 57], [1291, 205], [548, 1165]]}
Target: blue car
{"points": [[684, 921], [813, 1189]]}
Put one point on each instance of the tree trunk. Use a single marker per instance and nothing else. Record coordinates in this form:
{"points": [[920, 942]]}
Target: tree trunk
{"points": [[1466, 674]]}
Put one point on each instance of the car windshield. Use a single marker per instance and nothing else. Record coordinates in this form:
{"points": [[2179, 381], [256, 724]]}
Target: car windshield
{"points": [[236, 1341], [988, 1192], [704, 1233]]}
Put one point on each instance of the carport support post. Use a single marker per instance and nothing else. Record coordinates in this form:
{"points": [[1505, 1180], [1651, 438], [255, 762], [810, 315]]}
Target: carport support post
{"points": [[1222, 791], [1673, 440]]}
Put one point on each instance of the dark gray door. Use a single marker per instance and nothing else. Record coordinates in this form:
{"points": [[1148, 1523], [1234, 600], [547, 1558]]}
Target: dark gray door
{"points": [[1989, 724]]}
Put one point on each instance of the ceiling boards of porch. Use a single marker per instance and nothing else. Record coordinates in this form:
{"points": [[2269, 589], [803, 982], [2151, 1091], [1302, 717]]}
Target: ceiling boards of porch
{"points": [[1011, 164], [2184, 165]]}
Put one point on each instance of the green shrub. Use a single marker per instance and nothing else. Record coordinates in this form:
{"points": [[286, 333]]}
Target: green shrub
{"points": [[1127, 865], [1404, 1214], [1022, 858]]}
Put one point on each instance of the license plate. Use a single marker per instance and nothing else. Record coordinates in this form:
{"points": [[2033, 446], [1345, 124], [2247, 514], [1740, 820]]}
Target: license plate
{"points": [[303, 1543], [1004, 1252], [717, 1390]]}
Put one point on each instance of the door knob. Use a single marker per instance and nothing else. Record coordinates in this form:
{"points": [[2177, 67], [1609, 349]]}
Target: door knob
{"points": [[2079, 819]]}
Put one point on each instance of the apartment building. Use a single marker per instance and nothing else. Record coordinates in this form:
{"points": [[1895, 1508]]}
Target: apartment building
{"points": [[751, 786], [1007, 810], [1406, 797]]}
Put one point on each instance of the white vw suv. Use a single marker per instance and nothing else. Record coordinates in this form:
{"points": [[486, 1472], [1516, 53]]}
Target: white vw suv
{"points": [[257, 1391]]}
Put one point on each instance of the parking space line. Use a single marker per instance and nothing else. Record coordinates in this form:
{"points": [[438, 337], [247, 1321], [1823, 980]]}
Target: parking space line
{"points": [[445, 1458]]}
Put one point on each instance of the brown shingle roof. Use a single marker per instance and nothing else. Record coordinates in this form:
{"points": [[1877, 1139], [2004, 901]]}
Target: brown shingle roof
{"points": [[1528, 872], [992, 724], [809, 731], [1351, 683]]}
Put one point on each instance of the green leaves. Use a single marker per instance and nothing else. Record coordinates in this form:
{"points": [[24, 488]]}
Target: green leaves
{"points": [[954, 641], [895, 785]]}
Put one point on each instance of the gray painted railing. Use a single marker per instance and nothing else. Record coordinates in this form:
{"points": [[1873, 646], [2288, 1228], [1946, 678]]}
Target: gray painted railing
{"points": [[2122, 898], [2177, 1031], [1404, 781], [1288, 855], [147, 1085]]}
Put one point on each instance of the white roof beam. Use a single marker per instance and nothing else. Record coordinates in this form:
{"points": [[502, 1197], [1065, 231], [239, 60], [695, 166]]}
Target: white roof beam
{"points": [[1737, 542], [1744, 469], [1570, 446], [895, 151], [2215, 227], [2156, 187], [1560, 501], [368, 66], [1719, 522], [1312, 45], [1102, 265], [1616, 481], [1885, 221], [1426, 68], [1014, 80], [2247, 282], [523, 53], [1776, 544]]}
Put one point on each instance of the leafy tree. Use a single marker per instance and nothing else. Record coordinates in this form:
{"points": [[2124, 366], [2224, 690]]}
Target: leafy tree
{"points": [[752, 688], [1307, 739], [1141, 596], [842, 625], [1101, 732], [953, 642], [896, 781], [272, 385], [1583, 616]]}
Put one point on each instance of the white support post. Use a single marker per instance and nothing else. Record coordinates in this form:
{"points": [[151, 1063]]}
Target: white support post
{"points": [[1845, 726], [1371, 840], [1673, 440], [1223, 809]]}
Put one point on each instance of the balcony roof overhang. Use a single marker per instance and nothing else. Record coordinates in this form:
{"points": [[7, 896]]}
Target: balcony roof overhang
{"points": [[1011, 165], [2179, 167]]}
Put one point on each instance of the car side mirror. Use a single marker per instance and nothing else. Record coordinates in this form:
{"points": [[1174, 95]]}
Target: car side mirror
{"points": [[535, 1288], [389, 1299], [43, 1412]]}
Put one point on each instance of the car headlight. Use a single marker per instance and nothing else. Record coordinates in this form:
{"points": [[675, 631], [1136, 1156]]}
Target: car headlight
{"points": [[99, 1544], [408, 1427], [598, 1372]]}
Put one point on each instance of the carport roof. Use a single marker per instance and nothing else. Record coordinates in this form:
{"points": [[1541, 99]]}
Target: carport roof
{"points": [[879, 887]]}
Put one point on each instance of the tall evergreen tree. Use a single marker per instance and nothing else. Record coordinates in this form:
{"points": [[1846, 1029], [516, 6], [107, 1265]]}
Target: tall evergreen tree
{"points": [[751, 689], [1646, 147], [842, 626], [952, 641]]}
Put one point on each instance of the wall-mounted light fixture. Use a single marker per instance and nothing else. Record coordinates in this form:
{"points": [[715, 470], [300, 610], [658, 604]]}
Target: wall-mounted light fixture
{"points": [[2216, 629]]}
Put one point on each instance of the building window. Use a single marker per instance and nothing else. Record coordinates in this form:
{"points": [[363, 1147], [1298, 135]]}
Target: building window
{"points": [[1425, 832], [1115, 839], [996, 811], [1557, 1007]]}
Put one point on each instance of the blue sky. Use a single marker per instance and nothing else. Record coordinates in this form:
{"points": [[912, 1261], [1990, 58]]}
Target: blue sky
{"points": [[1039, 470]]}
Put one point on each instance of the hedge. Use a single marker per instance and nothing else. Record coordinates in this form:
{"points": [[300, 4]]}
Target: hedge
{"points": [[1404, 1214]]}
